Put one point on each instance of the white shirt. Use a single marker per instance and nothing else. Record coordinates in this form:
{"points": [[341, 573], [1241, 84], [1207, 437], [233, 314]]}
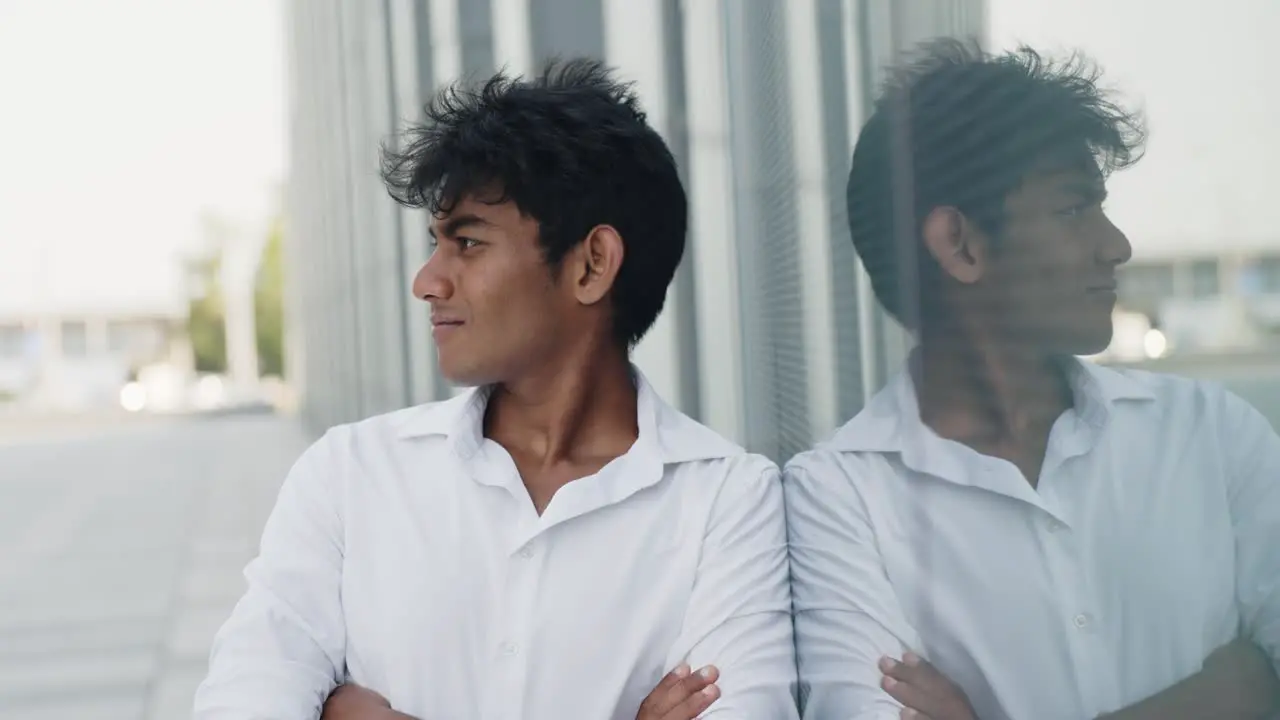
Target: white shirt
{"points": [[1153, 537], [405, 554]]}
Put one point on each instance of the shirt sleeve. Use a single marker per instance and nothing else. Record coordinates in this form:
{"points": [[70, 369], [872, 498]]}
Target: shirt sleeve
{"points": [[739, 612], [847, 615], [282, 651], [1253, 486]]}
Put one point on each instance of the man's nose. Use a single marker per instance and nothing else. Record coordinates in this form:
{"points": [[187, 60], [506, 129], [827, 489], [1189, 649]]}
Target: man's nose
{"points": [[1114, 248], [432, 282]]}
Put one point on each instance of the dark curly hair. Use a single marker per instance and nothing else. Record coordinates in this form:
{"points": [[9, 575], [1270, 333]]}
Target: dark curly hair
{"points": [[962, 128], [572, 149]]}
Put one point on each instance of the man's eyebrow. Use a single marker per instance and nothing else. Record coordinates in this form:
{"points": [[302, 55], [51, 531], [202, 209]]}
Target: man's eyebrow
{"points": [[1089, 185], [1089, 189], [454, 224]]}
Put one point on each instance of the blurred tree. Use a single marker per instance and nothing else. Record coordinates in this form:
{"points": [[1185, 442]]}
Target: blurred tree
{"points": [[205, 324], [268, 303]]}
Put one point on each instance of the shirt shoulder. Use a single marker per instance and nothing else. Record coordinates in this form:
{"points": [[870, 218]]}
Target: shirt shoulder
{"points": [[829, 471], [855, 448], [1166, 387], [1178, 401], [702, 463], [386, 435], [737, 468]]}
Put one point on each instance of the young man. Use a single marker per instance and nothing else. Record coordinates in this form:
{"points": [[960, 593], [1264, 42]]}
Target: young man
{"points": [[555, 542], [1006, 531]]}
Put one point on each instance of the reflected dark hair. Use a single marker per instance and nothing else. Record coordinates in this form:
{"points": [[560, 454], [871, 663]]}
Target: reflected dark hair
{"points": [[962, 128], [572, 149]]}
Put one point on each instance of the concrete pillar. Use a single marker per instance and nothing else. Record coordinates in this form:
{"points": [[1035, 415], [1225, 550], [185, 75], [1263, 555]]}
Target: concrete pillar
{"points": [[712, 216], [512, 37], [635, 44], [241, 252], [813, 212]]}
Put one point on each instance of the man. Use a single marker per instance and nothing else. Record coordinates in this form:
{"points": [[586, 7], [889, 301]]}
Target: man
{"points": [[1006, 531], [556, 541]]}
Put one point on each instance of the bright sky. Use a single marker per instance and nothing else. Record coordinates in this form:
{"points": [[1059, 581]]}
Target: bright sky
{"points": [[123, 122], [1206, 74]]}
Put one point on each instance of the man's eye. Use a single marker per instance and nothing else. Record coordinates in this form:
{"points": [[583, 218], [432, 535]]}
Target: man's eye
{"points": [[467, 243]]}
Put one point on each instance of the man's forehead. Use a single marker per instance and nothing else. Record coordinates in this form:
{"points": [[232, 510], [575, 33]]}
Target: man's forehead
{"points": [[467, 208], [472, 212], [1071, 165], [465, 204]]}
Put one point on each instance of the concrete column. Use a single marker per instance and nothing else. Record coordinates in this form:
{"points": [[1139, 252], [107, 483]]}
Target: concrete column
{"points": [[813, 213], [512, 37], [446, 34], [413, 57], [635, 45], [712, 216], [240, 253]]}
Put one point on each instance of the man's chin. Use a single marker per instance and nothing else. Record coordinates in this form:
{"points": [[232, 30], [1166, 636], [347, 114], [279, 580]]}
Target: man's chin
{"points": [[1092, 343], [462, 374]]}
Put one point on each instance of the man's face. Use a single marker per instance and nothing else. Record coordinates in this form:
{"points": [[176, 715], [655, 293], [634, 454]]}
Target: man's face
{"points": [[496, 306], [1051, 276]]}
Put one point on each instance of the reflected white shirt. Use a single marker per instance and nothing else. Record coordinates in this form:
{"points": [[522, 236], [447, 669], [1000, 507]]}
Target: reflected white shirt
{"points": [[405, 554], [1153, 538]]}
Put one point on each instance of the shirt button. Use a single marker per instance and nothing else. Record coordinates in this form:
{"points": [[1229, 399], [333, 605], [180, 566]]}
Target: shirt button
{"points": [[526, 552], [1056, 526], [1082, 621], [508, 648]]}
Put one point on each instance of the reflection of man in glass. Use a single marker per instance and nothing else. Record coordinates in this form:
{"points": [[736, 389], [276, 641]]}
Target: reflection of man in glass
{"points": [[559, 543], [1004, 528]]}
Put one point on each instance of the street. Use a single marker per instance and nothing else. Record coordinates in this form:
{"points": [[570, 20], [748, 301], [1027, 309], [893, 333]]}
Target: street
{"points": [[121, 552]]}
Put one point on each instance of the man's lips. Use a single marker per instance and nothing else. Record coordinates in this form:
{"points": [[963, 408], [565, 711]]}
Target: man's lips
{"points": [[440, 318], [440, 327]]}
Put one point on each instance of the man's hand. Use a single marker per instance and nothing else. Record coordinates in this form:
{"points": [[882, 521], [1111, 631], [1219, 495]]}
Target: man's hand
{"points": [[926, 693], [352, 702], [1237, 682], [1242, 671], [681, 695]]}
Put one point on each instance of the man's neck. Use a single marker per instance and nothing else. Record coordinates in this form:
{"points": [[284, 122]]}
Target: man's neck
{"points": [[582, 407], [979, 387]]}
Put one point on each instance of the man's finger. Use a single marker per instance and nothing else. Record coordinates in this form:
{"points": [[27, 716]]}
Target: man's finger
{"points": [[656, 701], [913, 697], [690, 685], [914, 670], [671, 679], [687, 684], [694, 705]]}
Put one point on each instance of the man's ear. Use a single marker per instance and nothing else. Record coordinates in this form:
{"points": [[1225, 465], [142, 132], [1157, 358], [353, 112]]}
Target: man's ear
{"points": [[593, 266], [958, 246]]}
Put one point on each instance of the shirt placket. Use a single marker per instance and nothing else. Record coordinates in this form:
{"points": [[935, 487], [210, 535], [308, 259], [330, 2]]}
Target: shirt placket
{"points": [[1079, 608], [513, 630]]}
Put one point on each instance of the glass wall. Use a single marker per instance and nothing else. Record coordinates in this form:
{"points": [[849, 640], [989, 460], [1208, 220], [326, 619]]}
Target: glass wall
{"points": [[758, 99]]}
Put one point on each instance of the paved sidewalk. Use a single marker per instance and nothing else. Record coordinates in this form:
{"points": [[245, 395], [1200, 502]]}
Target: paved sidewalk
{"points": [[120, 554]]}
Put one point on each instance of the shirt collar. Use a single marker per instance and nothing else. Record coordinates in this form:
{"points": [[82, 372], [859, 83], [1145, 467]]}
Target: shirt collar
{"points": [[891, 422], [670, 435]]}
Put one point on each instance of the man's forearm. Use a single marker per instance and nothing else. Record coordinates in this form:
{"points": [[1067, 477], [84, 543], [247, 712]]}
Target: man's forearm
{"points": [[1237, 682], [352, 702]]}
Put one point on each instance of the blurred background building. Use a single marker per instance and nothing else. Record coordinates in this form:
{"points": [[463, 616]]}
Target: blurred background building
{"points": [[767, 336], [140, 161]]}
